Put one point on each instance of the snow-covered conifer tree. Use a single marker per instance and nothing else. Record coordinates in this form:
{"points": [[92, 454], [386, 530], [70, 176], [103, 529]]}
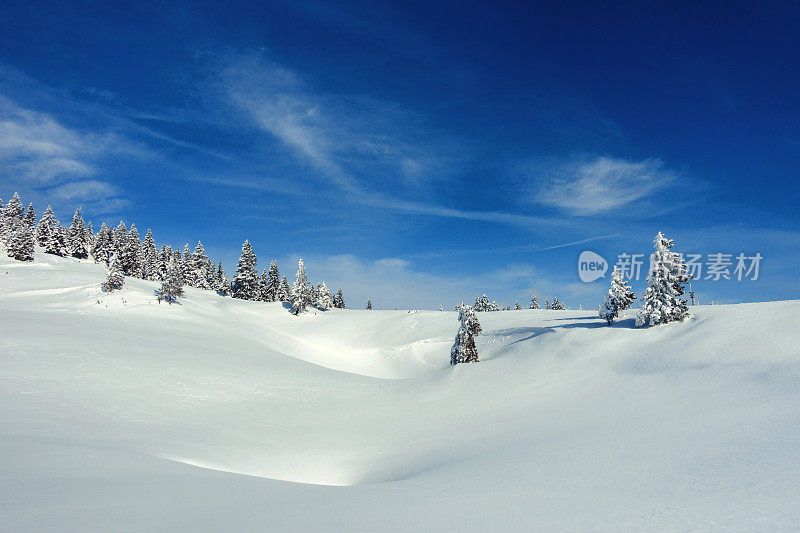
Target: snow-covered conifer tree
{"points": [[325, 299], [517, 307], [12, 217], [547, 304], [338, 300], [491, 306], [172, 285], [103, 247], [285, 291], [273, 284], [30, 217], [149, 257], [119, 239], [57, 243], [262, 286], [45, 226], [89, 235], [164, 259], [558, 306], [246, 281], [76, 237], [534, 304], [464, 349], [197, 265], [301, 293], [131, 261], [618, 298], [369, 305], [666, 282], [21, 242], [115, 277], [223, 285]]}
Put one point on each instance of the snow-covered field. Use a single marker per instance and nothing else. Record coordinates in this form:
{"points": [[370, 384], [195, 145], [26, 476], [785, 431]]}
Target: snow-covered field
{"points": [[117, 413]]}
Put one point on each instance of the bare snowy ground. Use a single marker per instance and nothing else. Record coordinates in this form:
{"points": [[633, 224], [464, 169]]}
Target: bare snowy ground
{"points": [[117, 413]]}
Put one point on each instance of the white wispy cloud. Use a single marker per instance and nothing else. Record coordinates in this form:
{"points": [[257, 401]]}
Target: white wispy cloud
{"points": [[358, 144], [37, 152], [590, 187]]}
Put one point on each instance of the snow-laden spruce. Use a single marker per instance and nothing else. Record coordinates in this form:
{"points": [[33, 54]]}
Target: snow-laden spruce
{"points": [[534, 304], [11, 218], [149, 258], [324, 298], [464, 349], [557, 306], [369, 305], [246, 280], [666, 282], [301, 293], [618, 298], [285, 291], [115, 278], [77, 243], [223, 286], [338, 300], [273, 283], [172, 286]]}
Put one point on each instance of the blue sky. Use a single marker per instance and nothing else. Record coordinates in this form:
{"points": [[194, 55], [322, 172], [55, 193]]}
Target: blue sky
{"points": [[417, 153]]}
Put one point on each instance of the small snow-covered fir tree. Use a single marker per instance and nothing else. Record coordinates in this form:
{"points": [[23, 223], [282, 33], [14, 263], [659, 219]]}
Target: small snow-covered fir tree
{"points": [[534, 304], [556, 305], [131, 260], [314, 293], [464, 349], [12, 218], [57, 242], [30, 217], [547, 304], [164, 259], [324, 299], [45, 226], [369, 305], [285, 291], [246, 281], [262, 286], [492, 306], [103, 246], [223, 285], [172, 285], [301, 293], [273, 285], [115, 277], [618, 298], [21, 242], [666, 282], [76, 237], [517, 307], [149, 257], [89, 235], [197, 268], [338, 300]]}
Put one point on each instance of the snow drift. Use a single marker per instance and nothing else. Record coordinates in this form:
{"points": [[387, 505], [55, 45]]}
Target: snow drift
{"points": [[117, 412]]}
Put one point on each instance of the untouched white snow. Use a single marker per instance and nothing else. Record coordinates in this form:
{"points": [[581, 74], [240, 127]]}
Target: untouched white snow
{"points": [[117, 413]]}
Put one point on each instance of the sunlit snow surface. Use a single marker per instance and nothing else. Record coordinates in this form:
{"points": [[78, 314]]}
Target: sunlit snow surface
{"points": [[117, 413]]}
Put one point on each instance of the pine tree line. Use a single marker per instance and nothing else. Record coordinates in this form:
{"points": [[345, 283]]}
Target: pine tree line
{"points": [[270, 287], [125, 253]]}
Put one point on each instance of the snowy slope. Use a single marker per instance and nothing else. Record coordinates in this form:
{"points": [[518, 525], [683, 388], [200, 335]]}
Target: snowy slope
{"points": [[119, 413]]}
